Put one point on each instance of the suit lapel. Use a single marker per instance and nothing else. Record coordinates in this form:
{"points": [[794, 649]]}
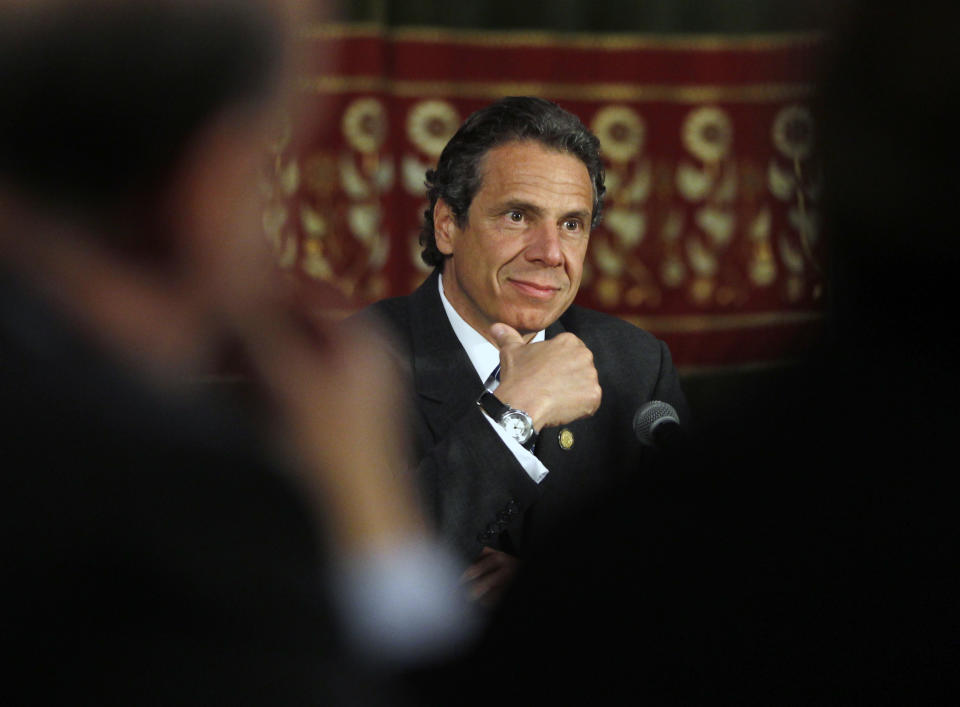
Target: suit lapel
{"points": [[554, 329], [443, 376]]}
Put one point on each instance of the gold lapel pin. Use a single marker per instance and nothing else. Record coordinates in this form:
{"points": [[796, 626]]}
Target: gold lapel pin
{"points": [[565, 438]]}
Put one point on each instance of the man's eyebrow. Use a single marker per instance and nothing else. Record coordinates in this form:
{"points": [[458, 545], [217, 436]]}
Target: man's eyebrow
{"points": [[518, 205], [579, 214]]}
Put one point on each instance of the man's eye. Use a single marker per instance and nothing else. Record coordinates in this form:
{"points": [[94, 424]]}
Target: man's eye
{"points": [[515, 216], [572, 224]]}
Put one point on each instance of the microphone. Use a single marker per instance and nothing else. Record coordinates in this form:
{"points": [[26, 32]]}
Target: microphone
{"points": [[657, 424]]}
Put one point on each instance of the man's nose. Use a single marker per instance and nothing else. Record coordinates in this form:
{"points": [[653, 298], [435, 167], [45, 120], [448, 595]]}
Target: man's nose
{"points": [[544, 245]]}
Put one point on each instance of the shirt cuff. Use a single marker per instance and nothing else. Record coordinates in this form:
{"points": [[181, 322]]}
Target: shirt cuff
{"points": [[403, 605], [533, 466]]}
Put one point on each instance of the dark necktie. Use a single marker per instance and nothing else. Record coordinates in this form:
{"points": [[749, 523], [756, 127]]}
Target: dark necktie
{"points": [[494, 376]]}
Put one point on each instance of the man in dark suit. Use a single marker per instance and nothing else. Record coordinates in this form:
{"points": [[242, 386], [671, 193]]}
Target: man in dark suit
{"points": [[503, 461]]}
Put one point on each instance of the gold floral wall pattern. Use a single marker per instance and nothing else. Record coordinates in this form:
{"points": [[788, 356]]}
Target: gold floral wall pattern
{"points": [[710, 236]]}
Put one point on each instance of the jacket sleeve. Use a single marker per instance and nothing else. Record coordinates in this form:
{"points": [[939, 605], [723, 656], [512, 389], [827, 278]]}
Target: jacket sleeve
{"points": [[471, 484]]}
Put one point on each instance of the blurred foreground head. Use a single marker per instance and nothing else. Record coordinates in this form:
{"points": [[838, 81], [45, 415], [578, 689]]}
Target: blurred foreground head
{"points": [[106, 101]]}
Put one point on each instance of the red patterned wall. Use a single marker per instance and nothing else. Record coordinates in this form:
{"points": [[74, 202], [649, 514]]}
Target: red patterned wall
{"points": [[710, 236]]}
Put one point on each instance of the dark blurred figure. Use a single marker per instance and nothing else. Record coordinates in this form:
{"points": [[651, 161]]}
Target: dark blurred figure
{"points": [[804, 551], [163, 544]]}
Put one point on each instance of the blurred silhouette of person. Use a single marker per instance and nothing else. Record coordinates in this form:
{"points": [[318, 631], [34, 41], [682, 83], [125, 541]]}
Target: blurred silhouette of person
{"points": [[802, 551], [162, 543]]}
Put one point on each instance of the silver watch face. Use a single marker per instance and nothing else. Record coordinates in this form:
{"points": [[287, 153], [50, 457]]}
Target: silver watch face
{"points": [[518, 424]]}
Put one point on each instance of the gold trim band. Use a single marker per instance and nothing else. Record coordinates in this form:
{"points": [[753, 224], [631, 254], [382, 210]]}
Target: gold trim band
{"points": [[693, 323], [694, 370], [605, 92], [613, 41]]}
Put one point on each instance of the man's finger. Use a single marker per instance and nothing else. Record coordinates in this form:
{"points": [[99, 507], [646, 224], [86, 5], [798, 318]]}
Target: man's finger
{"points": [[492, 581], [487, 562], [505, 335], [498, 571]]}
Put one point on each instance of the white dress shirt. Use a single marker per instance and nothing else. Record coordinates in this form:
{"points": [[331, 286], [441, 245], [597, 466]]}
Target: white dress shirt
{"points": [[485, 357]]}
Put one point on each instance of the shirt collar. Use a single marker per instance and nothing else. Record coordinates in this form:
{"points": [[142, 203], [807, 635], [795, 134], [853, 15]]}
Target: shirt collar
{"points": [[483, 355]]}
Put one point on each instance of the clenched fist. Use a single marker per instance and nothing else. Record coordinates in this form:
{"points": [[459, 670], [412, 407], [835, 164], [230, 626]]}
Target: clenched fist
{"points": [[553, 381]]}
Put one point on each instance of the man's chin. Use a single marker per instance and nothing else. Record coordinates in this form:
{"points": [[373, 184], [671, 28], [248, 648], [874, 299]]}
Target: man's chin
{"points": [[527, 325]]}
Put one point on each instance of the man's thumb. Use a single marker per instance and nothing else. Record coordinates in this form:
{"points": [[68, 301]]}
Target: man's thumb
{"points": [[504, 335]]}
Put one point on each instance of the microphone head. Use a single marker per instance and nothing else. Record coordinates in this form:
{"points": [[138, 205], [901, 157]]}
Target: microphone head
{"points": [[651, 418]]}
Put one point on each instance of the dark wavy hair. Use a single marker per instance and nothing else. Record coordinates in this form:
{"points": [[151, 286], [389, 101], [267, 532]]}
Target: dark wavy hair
{"points": [[457, 177]]}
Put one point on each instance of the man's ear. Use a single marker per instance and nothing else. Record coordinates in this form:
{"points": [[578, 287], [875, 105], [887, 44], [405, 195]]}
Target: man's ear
{"points": [[444, 227]]}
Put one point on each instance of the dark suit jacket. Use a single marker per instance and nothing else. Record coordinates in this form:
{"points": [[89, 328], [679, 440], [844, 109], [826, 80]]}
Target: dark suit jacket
{"points": [[471, 483]]}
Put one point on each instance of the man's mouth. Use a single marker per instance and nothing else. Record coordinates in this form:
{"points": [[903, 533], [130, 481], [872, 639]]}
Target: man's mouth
{"points": [[534, 289]]}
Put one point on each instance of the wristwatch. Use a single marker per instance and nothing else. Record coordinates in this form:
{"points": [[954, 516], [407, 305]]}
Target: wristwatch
{"points": [[516, 422]]}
